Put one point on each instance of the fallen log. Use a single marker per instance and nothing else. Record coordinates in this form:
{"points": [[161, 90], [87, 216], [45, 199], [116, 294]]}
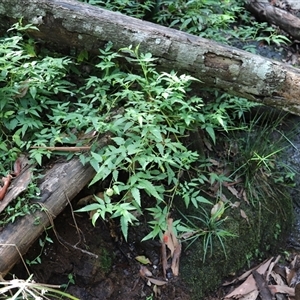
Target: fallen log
{"points": [[59, 185], [264, 11], [62, 182], [71, 23]]}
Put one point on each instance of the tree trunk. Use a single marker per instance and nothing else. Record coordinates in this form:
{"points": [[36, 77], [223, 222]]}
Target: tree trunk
{"points": [[67, 22]]}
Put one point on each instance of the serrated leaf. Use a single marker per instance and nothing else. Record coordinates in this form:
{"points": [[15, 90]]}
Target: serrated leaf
{"points": [[149, 188], [124, 226], [88, 207], [136, 195], [157, 135], [133, 148]]}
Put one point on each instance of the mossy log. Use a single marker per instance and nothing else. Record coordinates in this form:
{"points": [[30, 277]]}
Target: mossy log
{"points": [[77, 25]]}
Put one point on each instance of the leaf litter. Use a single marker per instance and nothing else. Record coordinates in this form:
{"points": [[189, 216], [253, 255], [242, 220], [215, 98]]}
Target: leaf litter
{"points": [[267, 281], [170, 257]]}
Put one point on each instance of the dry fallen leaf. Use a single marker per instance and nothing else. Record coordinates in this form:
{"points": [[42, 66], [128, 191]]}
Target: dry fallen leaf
{"points": [[262, 286], [244, 194], [156, 281], [251, 296], [283, 289], [249, 285], [171, 242], [233, 191], [175, 260], [244, 216], [144, 272], [218, 209], [277, 278], [245, 288]]}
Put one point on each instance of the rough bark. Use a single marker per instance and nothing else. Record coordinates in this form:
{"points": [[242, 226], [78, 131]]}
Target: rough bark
{"points": [[67, 22], [62, 182], [59, 185], [274, 15]]}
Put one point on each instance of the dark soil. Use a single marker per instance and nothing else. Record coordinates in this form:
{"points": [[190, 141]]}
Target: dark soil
{"points": [[101, 263]]}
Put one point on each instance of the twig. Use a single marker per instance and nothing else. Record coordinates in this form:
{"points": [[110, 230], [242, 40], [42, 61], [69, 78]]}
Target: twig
{"points": [[74, 220], [64, 149], [21, 257]]}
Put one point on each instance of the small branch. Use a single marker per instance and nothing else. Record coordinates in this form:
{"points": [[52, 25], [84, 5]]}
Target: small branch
{"points": [[64, 149]]}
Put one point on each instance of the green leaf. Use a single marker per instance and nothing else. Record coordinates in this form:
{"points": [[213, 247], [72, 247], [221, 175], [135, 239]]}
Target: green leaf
{"points": [[89, 207], [134, 148], [33, 91], [124, 227], [95, 217], [136, 195], [211, 133], [201, 199], [38, 157], [149, 188], [118, 140], [157, 135], [143, 259], [97, 157]]}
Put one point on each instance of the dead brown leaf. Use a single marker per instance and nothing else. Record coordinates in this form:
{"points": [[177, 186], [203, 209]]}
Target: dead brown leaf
{"points": [[244, 194], [175, 260], [233, 191], [249, 285], [262, 285], [17, 186], [156, 281], [144, 272], [283, 289], [173, 244], [251, 296], [245, 288], [218, 209], [243, 214]]}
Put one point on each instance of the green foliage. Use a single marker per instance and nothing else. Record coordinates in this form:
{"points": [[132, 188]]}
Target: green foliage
{"points": [[26, 94], [224, 21], [147, 140], [42, 243], [208, 226], [22, 206], [138, 9], [147, 117], [256, 160], [197, 15], [272, 36]]}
